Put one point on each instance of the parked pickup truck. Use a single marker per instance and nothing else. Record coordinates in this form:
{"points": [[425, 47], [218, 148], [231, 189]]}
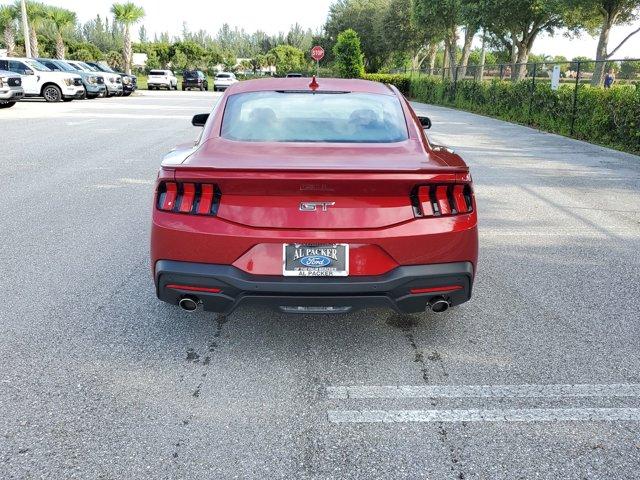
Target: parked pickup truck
{"points": [[93, 83], [10, 89], [40, 81]]}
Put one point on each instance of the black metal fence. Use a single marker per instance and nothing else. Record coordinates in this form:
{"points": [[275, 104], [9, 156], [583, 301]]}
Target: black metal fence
{"points": [[577, 73]]}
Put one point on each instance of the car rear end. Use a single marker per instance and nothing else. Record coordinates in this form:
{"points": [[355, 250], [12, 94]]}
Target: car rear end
{"points": [[314, 226], [192, 79], [158, 79], [224, 81]]}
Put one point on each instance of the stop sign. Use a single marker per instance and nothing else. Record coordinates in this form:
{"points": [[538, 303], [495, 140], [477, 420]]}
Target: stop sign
{"points": [[317, 53]]}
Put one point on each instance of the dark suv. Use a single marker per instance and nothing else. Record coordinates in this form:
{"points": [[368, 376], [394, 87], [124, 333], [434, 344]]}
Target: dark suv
{"points": [[194, 79]]}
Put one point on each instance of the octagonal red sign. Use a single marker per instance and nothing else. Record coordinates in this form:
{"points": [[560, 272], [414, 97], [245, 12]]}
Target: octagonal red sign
{"points": [[317, 53]]}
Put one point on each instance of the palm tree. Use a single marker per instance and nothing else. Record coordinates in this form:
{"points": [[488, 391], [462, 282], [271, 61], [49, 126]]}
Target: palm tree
{"points": [[8, 16], [63, 22], [36, 13], [127, 14]]}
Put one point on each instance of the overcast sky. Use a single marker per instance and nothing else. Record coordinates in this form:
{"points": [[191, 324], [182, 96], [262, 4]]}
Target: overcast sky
{"points": [[277, 15]]}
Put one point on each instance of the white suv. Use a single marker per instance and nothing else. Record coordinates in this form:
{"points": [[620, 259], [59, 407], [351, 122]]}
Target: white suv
{"points": [[10, 89], [40, 81], [162, 79], [223, 81]]}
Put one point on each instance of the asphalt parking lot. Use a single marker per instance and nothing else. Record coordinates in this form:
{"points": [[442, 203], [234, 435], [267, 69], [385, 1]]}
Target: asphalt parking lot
{"points": [[537, 377]]}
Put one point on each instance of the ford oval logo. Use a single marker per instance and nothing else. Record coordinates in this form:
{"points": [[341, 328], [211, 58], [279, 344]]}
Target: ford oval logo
{"points": [[315, 261]]}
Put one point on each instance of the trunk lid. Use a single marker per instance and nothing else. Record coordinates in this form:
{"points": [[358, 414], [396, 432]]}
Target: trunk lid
{"points": [[408, 155]]}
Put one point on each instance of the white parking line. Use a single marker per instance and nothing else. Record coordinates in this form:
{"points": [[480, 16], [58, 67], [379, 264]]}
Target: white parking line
{"points": [[480, 415], [485, 391]]}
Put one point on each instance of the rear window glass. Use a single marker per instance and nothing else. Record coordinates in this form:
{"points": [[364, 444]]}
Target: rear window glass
{"points": [[157, 72], [319, 117], [223, 75]]}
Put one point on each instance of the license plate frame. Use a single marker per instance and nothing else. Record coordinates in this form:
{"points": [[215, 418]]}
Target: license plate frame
{"points": [[336, 253]]}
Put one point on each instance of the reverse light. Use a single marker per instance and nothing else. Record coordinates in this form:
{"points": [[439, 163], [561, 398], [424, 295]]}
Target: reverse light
{"points": [[442, 200], [187, 197]]}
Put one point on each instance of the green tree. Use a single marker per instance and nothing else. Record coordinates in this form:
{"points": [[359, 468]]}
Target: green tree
{"points": [[8, 17], [114, 60], [100, 33], [366, 17], [288, 59], [586, 64], [127, 14], [142, 34], [37, 16], [348, 55], [629, 69], [599, 17], [63, 22], [194, 54], [83, 55], [516, 24], [441, 19], [88, 51], [404, 38]]}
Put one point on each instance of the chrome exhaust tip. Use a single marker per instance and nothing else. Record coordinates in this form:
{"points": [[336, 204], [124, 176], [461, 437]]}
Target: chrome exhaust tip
{"points": [[188, 304], [439, 305]]}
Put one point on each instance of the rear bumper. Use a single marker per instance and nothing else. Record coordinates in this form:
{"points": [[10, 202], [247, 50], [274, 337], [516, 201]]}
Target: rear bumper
{"points": [[309, 295]]}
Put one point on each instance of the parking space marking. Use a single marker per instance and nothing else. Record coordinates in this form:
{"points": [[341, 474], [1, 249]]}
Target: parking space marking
{"points": [[481, 415], [485, 391]]}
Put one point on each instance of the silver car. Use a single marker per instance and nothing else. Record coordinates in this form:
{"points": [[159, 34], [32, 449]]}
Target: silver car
{"points": [[10, 88]]}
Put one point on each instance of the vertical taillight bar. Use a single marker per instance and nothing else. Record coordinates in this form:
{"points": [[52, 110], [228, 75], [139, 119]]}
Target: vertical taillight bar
{"points": [[443, 200], [188, 194], [206, 199], [459, 200], [169, 196], [424, 197]]}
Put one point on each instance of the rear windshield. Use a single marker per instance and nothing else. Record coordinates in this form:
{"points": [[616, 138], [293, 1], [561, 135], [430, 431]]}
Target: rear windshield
{"points": [[157, 72], [223, 75], [319, 117], [191, 74]]}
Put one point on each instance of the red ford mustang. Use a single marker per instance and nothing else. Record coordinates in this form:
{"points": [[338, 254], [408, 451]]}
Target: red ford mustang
{"points": [[314, 197]]}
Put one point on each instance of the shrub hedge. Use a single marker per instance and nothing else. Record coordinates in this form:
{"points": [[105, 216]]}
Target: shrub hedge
{"points": [[608, 117]]}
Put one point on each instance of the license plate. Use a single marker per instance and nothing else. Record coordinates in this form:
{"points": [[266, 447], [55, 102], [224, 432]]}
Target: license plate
{"points": [[330, 260]]}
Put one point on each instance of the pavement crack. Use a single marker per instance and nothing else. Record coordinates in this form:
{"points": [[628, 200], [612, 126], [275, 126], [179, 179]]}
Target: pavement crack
{"points": [[426, 361]]}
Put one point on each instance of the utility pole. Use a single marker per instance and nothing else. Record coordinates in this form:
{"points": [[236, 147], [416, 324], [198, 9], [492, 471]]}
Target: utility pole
{"points": [[25, 29]]}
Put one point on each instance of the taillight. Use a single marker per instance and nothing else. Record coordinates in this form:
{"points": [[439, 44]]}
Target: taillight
{"points": [[194, 198], [442, 199]]}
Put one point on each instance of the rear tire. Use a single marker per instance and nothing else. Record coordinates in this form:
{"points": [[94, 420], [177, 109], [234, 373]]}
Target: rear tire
{"points": [[52, 93], [7, 105]]}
